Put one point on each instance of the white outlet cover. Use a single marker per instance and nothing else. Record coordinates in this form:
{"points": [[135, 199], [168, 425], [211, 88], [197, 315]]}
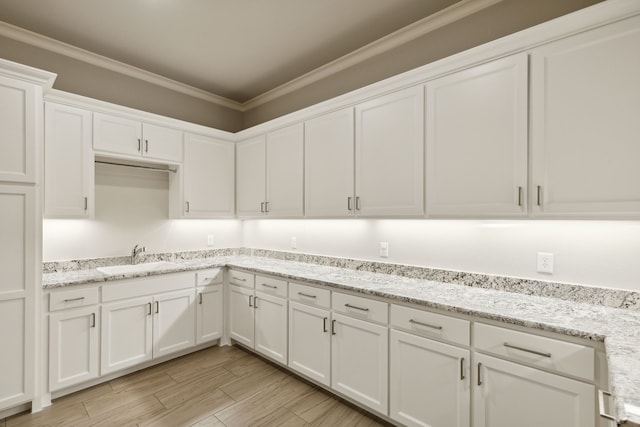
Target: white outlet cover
{"points": [[294, 243], [384, 249], [545, 262], [209, 239]]}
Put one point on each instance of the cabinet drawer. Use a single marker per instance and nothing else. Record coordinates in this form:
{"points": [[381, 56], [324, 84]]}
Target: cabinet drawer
{"points": [[271, 286], [363, 308], [211, 276], [549, 353], [61, 300], [241, 278], [430, 324], [310, 295]]}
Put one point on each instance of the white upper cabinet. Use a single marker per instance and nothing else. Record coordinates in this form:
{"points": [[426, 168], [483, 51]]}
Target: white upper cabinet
{"points": [[585, 109], [269, 174], [390, 155], [250, 177], [285, 175], [18, 125], [68, 163], [208, 175], [476, 141], [329, 165], [118, 135]]}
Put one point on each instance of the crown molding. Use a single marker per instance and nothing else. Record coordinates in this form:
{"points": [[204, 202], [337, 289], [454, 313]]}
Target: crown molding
{"points": [[28, 74]]}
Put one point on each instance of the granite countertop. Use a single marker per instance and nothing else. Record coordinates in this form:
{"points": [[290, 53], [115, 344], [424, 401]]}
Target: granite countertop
{"points": [[619, 329]]}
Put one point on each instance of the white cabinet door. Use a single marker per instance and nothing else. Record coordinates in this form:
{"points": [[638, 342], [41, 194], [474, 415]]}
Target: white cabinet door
{"points": [[250, 177], [17, 289], [127, 336], [508, 394], [585, 96], [209, 313], [73, 347], [285, 172], [241, 315], [429, 383], [68, 162], [476, 142], [310, 342], [208, 177], [173, 322], [271, 326], [161, 143], [359, 361], [328, 165], [390, 155], [117, 135], [18, 127]]}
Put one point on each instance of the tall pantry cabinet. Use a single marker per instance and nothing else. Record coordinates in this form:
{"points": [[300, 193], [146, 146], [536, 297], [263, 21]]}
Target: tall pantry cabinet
{"points": [[21, 123]]}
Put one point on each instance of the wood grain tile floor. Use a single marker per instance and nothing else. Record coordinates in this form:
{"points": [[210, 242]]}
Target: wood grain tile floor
{"points": [[215, 387]]}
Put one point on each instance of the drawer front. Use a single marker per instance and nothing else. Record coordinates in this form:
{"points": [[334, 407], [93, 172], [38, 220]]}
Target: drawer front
{"points": [[271, 286], [212, 276], [429, 324], [549, 353], [310, 295], [362, 308], [241, 278], [61, 300]]}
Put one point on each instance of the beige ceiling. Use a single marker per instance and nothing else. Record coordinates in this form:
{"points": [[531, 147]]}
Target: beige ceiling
{"points": [[237, 49]]}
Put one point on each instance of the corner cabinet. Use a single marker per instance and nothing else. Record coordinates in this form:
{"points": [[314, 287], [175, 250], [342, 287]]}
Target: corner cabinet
{"points": [[389, 144], [585, 108], [476, 142], [68, 162]]}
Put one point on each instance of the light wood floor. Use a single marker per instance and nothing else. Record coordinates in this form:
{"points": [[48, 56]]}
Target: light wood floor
{"points": [[215, 387]]}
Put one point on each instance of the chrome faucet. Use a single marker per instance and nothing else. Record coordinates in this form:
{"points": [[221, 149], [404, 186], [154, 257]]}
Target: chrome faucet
{"points": [[135, 252]]}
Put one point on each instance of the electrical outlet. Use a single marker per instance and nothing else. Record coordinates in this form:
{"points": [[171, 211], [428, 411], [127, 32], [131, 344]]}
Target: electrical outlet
{"points": [[294, 243], [545, 262], [384, 249], [209, 239]]}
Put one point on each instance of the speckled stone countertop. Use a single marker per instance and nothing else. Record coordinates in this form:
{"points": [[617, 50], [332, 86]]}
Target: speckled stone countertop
{"points": [[619, 329]]}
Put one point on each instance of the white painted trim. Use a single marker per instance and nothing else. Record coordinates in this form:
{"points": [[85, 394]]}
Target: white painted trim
{"points": [[404, 35], [13, 70], [61, 48]]}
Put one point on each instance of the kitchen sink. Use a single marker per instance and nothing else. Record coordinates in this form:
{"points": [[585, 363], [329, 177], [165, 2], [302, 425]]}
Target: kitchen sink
{"points": [[137, 268]]}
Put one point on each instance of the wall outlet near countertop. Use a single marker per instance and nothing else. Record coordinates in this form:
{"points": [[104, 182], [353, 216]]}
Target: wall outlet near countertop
{"points": [[384, 249], [294, 243], [545, 262], [210, 240]]}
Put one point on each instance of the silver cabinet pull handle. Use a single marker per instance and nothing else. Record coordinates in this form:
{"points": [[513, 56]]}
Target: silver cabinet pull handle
{"points": [[333, 327], [307, 295], [358, 203], [538, 353], [86, 203], [425, 324], [200, 299], [266, 207], [188, 206], [349, 206], [539, 195], [157, 307], [74, 299], [462, 368], [146, 145], [519, 196], [149, 313], [479, 380], [139, 144], [601, 395], [356, 307], [269, 286], [324, 324], [255, 302], [262, 207], [250, 297], [93, 320], [238, 279]]}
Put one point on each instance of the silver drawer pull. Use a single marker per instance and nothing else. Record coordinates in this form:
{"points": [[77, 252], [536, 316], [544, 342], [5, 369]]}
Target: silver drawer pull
{"points": [[356, 307], [538, 353], [239, 279], [306, 295], [74, 299], [601, 395], [439, 328], [269, 286]]}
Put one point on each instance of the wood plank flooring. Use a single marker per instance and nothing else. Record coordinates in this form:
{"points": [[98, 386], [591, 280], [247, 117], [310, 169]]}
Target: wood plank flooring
{"points": [[215, 387]]}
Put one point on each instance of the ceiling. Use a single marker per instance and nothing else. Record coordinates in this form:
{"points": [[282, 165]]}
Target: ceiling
{"points": [[237, 49]]}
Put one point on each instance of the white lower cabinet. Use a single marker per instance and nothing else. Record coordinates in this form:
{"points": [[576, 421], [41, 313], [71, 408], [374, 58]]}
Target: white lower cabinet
{"points": [[73, 346], [241, 315], [509, 394], [359, 361], [209, 313], [271, 326], [310, 342], [429, 383], [173, 322]]}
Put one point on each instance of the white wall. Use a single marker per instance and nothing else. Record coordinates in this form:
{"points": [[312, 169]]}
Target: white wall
{"points": [[597, 253], [132, 208]]}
